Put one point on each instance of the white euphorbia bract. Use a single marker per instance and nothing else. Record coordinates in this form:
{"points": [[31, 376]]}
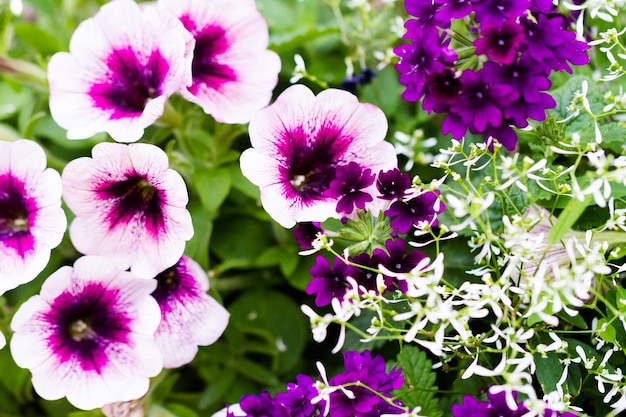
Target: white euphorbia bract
{"points": [[129, 206], [32, 221], [122, 66], [300, 140], [189, 316], [233, 73], [89, 334]]}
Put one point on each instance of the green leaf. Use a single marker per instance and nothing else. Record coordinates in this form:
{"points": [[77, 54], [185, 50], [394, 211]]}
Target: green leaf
{"points": [[216, 389], [38, 38], [255, 372], [568, 217], [606, 331], [213, 185], [278, 316], [549, 371], [419, 381]]}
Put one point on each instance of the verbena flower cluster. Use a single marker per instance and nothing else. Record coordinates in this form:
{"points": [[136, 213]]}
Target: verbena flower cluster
{"points": [[363, 389], [486, 63]]}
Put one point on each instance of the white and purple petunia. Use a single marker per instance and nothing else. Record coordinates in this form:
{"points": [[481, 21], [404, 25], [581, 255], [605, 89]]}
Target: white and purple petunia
{"points": [[300, 141], [129, 206], [32, 221], [189, 316], [122, 66], [233, 72], [89, 334]]}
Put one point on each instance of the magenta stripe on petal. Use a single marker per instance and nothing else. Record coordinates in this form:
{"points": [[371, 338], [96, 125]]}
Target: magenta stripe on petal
{"points": [[17, 215], [205, 68], [85, 324], [134, 197], [176, 285], [131, 84]]}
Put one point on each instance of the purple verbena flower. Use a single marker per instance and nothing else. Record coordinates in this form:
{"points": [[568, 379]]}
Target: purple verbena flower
{"points": [[371, 372], [442, 91], [395, 259], [498, 12], [500, 42], [419, 210], [393, 184], [296, 400], [453, 9], [347, 187], [305, 233], [258, 406], [498, 405], [329, 282]]}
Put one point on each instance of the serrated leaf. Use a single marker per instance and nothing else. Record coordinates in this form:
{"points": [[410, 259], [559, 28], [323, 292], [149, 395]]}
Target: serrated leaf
{"points": [[419, 381]]}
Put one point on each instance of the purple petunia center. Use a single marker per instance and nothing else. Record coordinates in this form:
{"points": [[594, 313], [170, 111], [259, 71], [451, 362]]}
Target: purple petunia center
{"points": [[129, 83], [311, 164], [175, 285], [85, 324], [13, 210], [134, 198], [206, 69]]}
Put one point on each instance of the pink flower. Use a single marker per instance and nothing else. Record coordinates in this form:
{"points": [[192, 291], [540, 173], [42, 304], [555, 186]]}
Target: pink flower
{"points": [[32, 221], [122, 66], [233, 72], [298, 143], [129, 206], [189, 316], [89, 334]]}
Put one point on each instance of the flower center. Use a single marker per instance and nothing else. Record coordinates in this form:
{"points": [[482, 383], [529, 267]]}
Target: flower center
{"points": [[130, 84], [13, 213], [79, 330], [134, 198]]}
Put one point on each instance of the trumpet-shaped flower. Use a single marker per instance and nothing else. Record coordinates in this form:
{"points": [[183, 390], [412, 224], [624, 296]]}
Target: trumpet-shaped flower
{"points": [[32, 221], [129, 206], [233, 72], [122, 66], [89, 334], [189, 316], [298, 143]]}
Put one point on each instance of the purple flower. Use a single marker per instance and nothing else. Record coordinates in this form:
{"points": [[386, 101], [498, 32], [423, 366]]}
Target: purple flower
{"points": [[365, 277], [496, 406], [233, 73], [417, 211], [122, 66], [551, 46], [296, 400], [498, 12], [305, 233], [500, 42], [129, 206], [300, 140], [88, 335], [371, 372], [258, 406], [393, 184], [347, 185], [453, 9], [327, 282], [426, 13], [442, 91], [32, 221], [189, 316], [425, 55], [396, 259]]}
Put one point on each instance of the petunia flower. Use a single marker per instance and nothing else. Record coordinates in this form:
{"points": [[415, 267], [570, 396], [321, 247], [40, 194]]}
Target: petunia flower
{"points": [[299, 142], [122, 66], [129, 206], [189, 316], [89, 334], [233, 72], [32, 221]]}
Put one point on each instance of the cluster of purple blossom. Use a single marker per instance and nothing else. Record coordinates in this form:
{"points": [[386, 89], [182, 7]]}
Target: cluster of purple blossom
{"points": [[518, 44], [363, 389], [500, 402], [409, 208]]}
